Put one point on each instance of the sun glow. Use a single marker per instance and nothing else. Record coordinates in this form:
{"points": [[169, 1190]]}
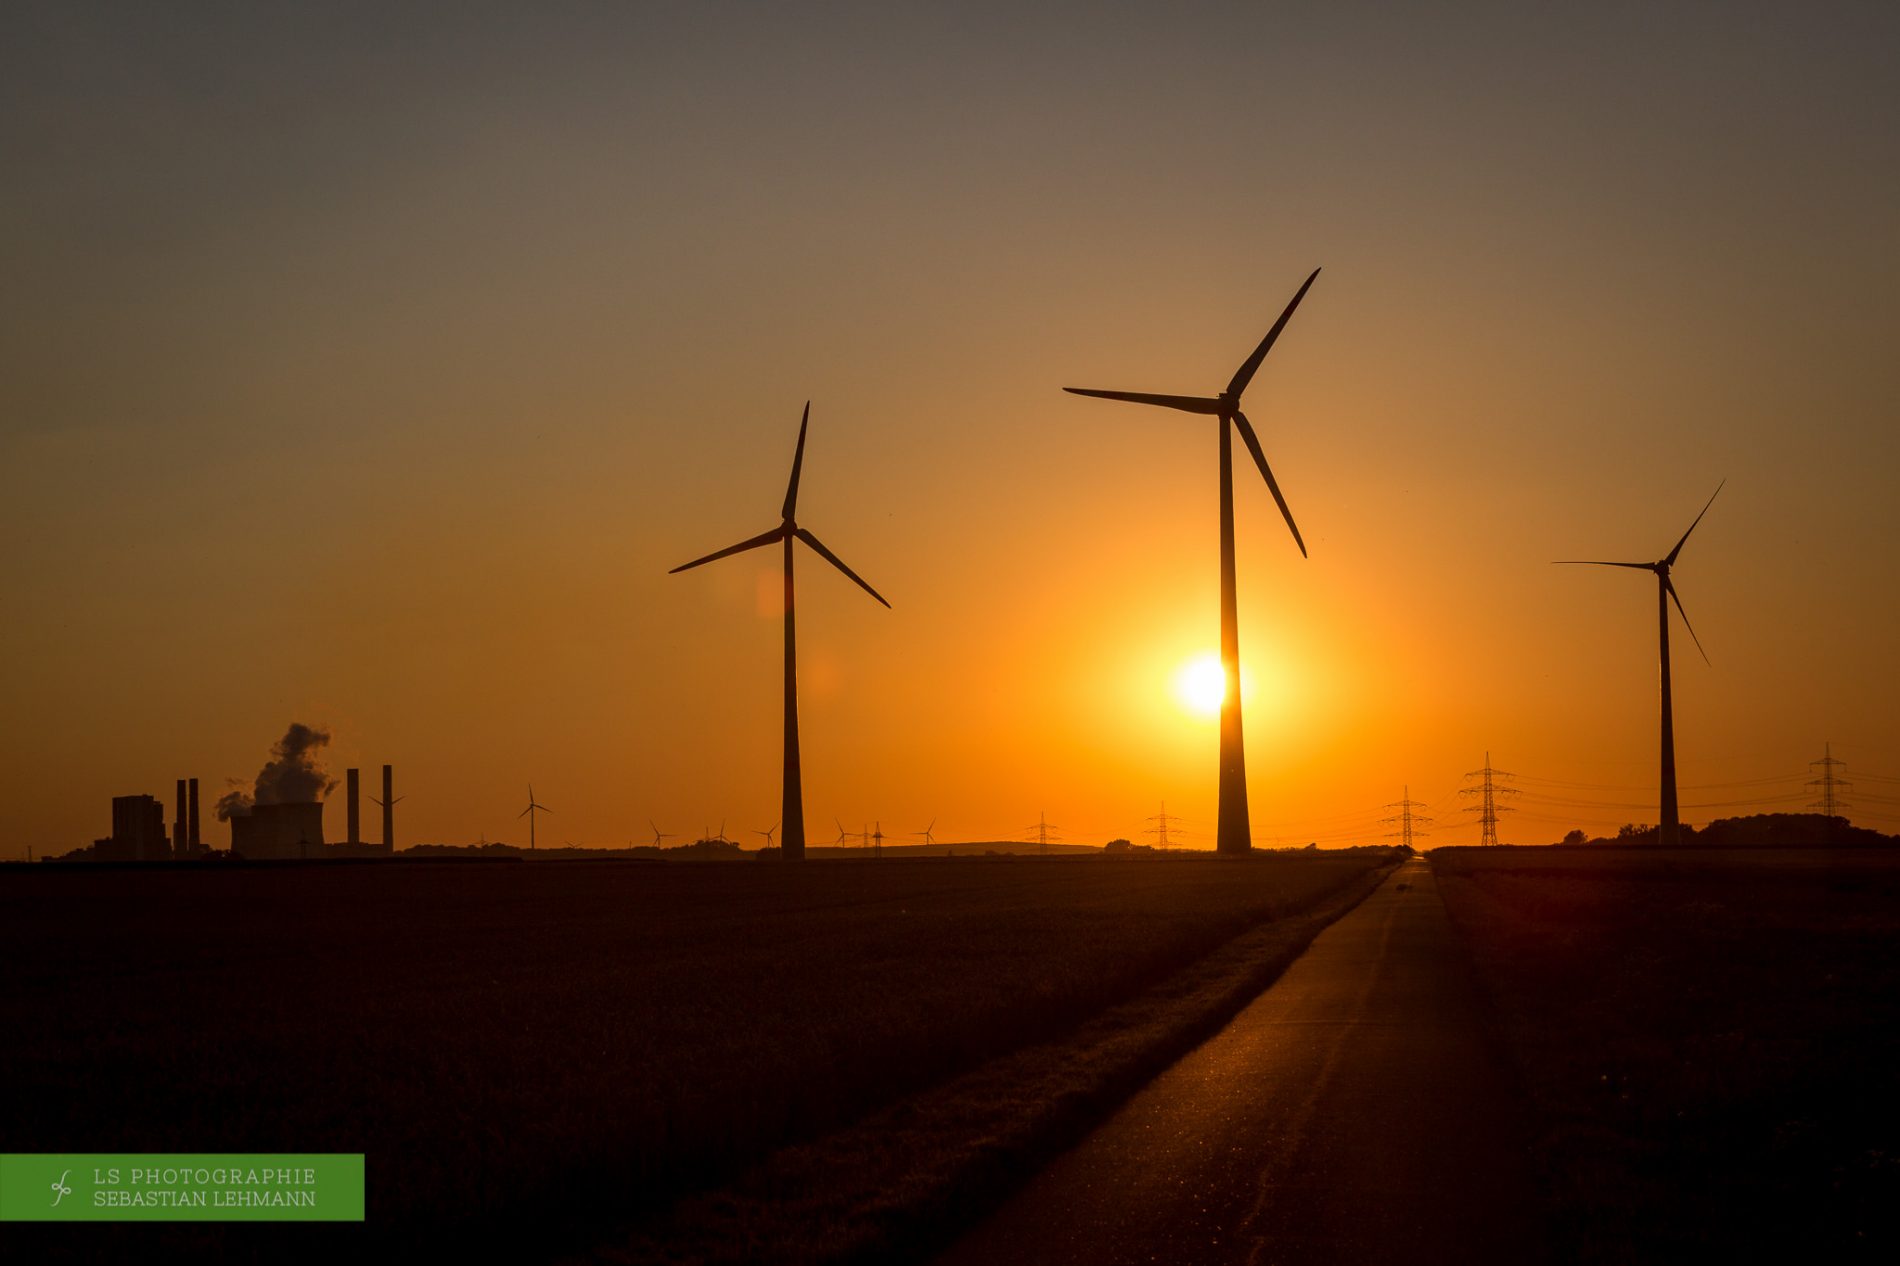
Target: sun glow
{"points": [[1202, 684]]}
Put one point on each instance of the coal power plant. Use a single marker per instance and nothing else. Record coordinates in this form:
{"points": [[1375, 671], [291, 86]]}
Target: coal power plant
{"points": [[278, 817]]}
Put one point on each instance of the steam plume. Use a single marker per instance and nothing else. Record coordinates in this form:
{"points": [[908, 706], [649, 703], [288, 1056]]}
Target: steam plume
{"points": [[291, 776]]}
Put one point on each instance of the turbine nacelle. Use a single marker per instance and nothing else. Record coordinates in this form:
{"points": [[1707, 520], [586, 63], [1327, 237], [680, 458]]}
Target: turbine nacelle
{"points": [[1662, 567], [1226, 406]]}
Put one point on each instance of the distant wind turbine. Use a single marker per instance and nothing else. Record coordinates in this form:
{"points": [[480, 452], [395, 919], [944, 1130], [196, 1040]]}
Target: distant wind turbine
{"points": [[1232, 832], [529, 813], [926, 832], [843, 834], [767, 833], [658, 835], [792, 816], [1669, 831]]}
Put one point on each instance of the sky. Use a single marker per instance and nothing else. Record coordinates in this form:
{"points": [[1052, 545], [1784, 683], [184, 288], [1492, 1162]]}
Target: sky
{"points": [[369, 366]]}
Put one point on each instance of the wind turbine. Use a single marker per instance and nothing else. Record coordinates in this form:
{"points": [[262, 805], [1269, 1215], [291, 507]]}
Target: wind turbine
{"points": [[1669, 831], [529, 813], [843, 834], [792, 816], [1232, 833], [389, 817], [658, 835], [768, 833], [926, 832]]}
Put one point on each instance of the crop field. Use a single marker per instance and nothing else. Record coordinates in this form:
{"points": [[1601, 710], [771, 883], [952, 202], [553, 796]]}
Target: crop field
{"points": [[502, 1040], [1707, 1040]]}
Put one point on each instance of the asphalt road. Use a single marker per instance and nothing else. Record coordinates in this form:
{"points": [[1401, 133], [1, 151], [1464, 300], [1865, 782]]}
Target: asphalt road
{"points": [[1352, 1113]]}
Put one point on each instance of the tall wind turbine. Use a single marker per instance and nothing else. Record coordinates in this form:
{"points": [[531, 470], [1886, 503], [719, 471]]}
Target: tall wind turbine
{"points": [[792, 817], [1669, 831], [768, 833], [1233, 834], [658, 834], [529, 813], [926, 832]]}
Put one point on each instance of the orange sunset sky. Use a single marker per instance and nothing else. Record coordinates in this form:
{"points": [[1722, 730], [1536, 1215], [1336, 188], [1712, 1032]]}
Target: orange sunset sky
{"points": [[370, 370]]}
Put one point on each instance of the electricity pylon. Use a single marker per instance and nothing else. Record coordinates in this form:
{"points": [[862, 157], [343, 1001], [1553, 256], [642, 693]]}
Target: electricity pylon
{"points": [[1408, 821], [1488, 807], [1162, 821]]}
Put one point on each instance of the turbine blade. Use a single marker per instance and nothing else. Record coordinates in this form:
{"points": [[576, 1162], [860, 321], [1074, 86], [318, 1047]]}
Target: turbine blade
{"points": [[1667, 584], [1245, 373], [1671, 557], [798, 460], [1260, 460], [837, 562], [1597, 562], [1187, 404], [763, 538], [525, 812]]}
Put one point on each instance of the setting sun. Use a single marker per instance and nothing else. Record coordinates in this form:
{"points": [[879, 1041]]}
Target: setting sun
{"points": [[1202, 684]]}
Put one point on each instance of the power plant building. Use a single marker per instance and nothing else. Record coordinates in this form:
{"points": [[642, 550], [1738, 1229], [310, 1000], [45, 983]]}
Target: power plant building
{"points": [[138, 832]]}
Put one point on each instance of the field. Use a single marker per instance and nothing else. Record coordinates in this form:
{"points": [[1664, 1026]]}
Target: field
{"points": [[504, 1040], [1707, 1038]]}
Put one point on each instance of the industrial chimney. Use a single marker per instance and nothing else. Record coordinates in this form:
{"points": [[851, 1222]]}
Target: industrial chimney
{"points": [[389, 809], [192, 828], [355, 836], [180, 849]]}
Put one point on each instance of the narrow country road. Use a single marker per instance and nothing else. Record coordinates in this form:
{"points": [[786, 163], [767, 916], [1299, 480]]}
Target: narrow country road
{"points": [[1352, 1113]]}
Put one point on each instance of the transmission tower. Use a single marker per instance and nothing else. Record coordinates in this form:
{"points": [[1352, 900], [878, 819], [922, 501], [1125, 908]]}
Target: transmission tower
{"points": [[1408, 821], [1488, 807], [1830, 804], [1041, 830], [1162, 821]]}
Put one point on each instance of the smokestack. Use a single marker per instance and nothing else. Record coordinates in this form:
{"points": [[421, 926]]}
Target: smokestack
{"points": [[355, 836], [389, 809], [180, 848], [192, 827]]}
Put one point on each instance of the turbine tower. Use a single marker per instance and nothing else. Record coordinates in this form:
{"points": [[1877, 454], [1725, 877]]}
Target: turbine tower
{"points": [[1232, 833], [792, 817], [529, 813], [1669, 830], [388, 804]]}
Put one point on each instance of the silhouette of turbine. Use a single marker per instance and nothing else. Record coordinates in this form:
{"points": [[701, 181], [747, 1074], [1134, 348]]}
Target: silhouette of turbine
{"points": [[792, 816], [529, 813], [768, 832], [658, 835], [1232, 834], [1669, 830], [843, 834], [926, 832]]}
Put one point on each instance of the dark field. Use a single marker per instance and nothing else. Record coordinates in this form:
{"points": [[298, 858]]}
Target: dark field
{"points": [[505, 1040], [1708, 1039]]}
